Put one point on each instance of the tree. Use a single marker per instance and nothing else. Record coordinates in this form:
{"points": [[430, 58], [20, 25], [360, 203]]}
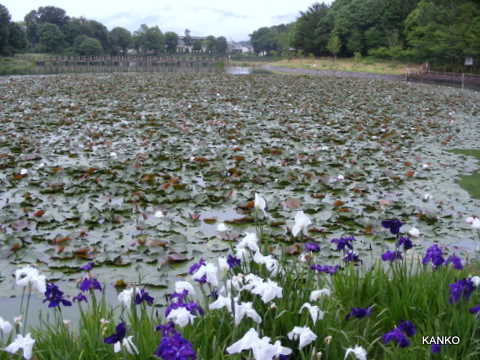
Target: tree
{"points": [[100, 32], [187, 40], [88, 46], [4, 31], [52, 15], [17, 37], [197, 45], [171, 42], [334, 45], [221, 45], [312, 30], [51, 38], [149, 39], [210, 43], [120, 38]]}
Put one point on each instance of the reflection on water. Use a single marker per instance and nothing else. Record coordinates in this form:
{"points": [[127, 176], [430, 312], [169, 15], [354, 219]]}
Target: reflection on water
{"points": [[238, 70]]}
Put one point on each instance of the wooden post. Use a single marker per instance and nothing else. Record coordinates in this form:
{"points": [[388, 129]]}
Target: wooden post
{"points": [[463, 81]]}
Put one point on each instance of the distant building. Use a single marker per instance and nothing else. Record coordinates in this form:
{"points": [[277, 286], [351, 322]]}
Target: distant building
{"points": [[238, 48], [182, 47]]}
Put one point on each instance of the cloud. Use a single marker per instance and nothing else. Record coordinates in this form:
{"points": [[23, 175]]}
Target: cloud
{"points": [[286, 18]]}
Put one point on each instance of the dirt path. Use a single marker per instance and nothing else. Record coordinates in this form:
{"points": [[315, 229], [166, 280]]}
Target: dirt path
{"points": [[345, 74]]}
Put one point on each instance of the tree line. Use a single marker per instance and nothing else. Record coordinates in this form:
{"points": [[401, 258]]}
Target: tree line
{"points": [[50, 30], [438, 31]]}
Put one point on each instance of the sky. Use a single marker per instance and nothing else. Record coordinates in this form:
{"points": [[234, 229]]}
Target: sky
{"points": [[234, 19]]}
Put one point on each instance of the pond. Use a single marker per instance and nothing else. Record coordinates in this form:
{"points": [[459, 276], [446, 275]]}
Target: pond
{"points": [[135, 171]]}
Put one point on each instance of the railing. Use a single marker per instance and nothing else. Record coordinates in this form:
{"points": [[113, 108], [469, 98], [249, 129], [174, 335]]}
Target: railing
{"points": [[461, 80], [95, 64]]}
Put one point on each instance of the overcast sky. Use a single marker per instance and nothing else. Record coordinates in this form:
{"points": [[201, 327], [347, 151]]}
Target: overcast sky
{"points": [[234, 19]]}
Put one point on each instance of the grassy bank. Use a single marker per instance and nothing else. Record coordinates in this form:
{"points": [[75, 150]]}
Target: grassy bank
{"points": [[470, 183], [367, 65]]}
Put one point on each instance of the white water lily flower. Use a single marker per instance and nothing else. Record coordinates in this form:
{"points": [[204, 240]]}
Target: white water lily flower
{"points": [[246, 309], [184, 285], [23, 172], [221, 227], [270, 263], [210, 270], [315, 312], [128, 344], [5, 326], [181, 316], [303, 334], [22, 342], [316, 294], [250, 241], [113, 154], [476, 223], [359, 352], [159, 214], [340, 178], [125, 297], [414, 232], [302, 221], [427, 197], [260, 203], [29, 276]]}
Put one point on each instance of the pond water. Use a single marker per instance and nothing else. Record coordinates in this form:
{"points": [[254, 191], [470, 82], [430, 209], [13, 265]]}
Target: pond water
{"points": [[104, 154], [238, 70]]}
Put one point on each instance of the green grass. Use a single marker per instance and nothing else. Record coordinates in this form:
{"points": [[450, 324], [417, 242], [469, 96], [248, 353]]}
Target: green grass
{"points": [[16, 65], [470, 183]]}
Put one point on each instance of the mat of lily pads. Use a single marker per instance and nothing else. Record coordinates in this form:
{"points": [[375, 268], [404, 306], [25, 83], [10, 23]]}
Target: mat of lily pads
{"points": [[136, 171]]}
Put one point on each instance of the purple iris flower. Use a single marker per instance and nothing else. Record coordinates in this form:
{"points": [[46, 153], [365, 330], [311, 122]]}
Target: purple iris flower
{"points": [[311, 246], [193, 269], [192, 307], [359, 313], [180, 296], [462, 288], [392, 256], [475, 309], [407, 327], [55, 297], [325, 268], [436, 348], [352, 257], [435, 255], [168, 329], [396, 335], [456, 261], [119, 335], [79, 298], [142, 296], [233, 261], [343, 242], [90, 284], [393, 225], [406, 242], [87, 267], [175, 347]]}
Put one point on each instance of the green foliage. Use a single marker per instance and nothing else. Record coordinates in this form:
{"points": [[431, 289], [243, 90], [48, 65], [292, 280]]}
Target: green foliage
{"points": [[171, 42], [210, 44], [51, 38], [17, 37], [197, 45], [221, 45], [120, 39], [470, 183], [334, 44], [149, 39], [312, 30], [88, 46], [4, 30]]}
